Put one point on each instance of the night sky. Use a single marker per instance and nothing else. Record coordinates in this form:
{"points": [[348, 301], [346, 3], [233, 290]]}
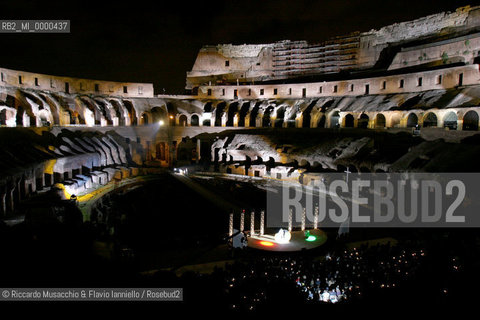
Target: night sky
{"points": [[158, 42]]}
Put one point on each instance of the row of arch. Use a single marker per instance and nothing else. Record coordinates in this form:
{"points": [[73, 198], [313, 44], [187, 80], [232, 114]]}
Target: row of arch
{"points": [[41, 109], [37, 109], [256, 114], [468, 120]]}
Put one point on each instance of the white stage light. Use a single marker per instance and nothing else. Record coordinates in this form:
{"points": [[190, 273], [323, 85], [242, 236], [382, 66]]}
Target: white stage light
{"points": [[283, 236]]}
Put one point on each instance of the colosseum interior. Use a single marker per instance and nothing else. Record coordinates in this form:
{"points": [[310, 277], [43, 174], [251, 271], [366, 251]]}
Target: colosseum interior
{"points": [[403, 98]]}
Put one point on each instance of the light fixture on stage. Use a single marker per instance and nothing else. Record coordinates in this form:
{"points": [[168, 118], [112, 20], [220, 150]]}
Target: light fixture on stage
{"points": [[309, 237], [242, 221], [283, 236], [252, 223], [304, 215], [266, 243], [290, 220], [262, 223], [230, 225], [161, 123]]}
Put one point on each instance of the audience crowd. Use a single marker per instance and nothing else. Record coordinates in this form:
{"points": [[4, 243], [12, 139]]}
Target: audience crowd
{"points": [[336, 277]]}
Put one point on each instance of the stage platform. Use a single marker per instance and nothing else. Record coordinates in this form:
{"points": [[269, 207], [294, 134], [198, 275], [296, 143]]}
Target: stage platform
{"points": [[297, 242]]}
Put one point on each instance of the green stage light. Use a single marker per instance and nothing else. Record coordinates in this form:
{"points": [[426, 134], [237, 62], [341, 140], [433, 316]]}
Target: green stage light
{"points": [[311, 238]]}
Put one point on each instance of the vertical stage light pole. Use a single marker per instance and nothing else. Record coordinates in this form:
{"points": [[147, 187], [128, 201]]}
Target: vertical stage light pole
{"points": [[242, 221], [230, 225], [290, 214], [315, 218], [304, 214], [252, 223], [262, 223]]}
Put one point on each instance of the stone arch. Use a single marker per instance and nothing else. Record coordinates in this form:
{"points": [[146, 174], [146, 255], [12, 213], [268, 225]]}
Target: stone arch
{"points": [[334, 119], [254, 114], [219, 110], [266, 119], [243, 113], [107, 112], [57, 110], [171, 111], [119, 112], [430, 120], [363, 121], [24, 116], [280, 115], [348, 121], [306, 116], [304, 163], [159, 114], [380, 121], [450, 120], [395, 119], [232, 111], [470, 120], [194, 120], [182, 120], [91, 111], [146, 118], [208, 107], [41, 110], [132, 113], [412, 120]]}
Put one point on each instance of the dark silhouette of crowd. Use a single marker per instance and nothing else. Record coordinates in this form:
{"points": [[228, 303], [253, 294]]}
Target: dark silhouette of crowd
{"points": [[337, 277]]}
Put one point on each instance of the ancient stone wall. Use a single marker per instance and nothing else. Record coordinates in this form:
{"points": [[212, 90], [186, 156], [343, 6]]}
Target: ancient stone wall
{"points": [[227, 64], [69, 85]]}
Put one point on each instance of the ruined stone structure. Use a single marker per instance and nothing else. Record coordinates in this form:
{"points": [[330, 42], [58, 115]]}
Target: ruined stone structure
{"points": [[85, 133]]}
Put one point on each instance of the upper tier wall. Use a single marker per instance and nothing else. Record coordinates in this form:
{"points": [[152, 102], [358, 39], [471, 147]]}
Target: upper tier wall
{"points": [[411, 82], [224, 64], [37, 81]]}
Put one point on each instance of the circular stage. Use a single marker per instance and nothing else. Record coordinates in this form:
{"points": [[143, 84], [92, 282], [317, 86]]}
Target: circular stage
{"points": [[298, 241]]}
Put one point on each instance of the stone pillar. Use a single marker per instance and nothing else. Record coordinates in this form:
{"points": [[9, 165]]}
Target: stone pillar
{"points": [[298, 121], [460, 124], [371, 123], [439, 122], [258, 121]]}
